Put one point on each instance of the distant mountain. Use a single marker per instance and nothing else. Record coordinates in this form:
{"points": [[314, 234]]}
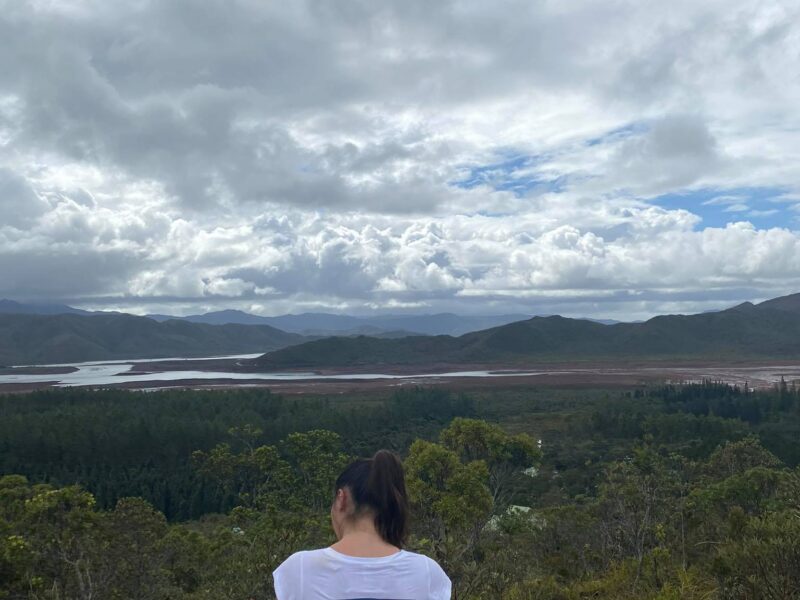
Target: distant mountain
{"points": [[161, 318], [361, 330], [46, 333], [220, 317], [300, 324], [43, 339], [443, 323], [17, 308], [789, 303], [610, 321], [318, 322], [768, 330], [323, 324]]}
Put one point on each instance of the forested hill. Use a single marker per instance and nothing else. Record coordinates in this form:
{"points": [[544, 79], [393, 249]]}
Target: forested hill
{"points": [[767, 330], [42, 339]]}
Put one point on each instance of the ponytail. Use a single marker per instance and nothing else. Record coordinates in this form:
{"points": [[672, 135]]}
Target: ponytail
{"points": [[378, 484], [387, 486]]}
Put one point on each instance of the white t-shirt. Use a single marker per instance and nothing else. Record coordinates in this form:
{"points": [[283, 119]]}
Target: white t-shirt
{"points": [[326, 574]]}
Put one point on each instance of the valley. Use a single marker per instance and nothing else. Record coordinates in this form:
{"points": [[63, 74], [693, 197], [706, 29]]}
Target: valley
{"points": [[238, 371]]}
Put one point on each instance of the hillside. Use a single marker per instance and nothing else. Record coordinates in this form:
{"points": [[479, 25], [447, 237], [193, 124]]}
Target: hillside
{"points": [[786, 303], [325, 324], [744, 331], [17, 308], [43, 339]]}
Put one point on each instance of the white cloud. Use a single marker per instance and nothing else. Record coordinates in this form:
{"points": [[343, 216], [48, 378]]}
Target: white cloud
{"points": [[723, 201], [738, 207], [159, 154], [227, 287]]}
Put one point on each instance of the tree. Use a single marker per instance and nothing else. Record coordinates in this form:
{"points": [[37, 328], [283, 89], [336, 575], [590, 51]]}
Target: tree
{"points": [[506, 456], [317, 459], [61, 527], [638, 505], [765, 563], [734, 458], [17, 555], [255, 476], [133, 552], [451, 503]]}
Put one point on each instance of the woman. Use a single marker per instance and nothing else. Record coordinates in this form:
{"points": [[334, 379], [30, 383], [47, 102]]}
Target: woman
{"points": [[370, 520]]}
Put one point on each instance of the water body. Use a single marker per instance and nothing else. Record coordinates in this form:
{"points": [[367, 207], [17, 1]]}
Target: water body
{"points": [[116, 372], [105, 373]]}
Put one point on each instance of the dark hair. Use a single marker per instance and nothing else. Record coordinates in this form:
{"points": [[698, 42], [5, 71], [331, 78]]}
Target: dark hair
{"points": [[378, 484]]}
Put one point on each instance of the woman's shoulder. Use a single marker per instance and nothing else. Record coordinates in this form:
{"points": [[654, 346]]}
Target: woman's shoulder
{"points": [[416, 556], [296, 562], [301, 556], [439, 585], [308, 555], [431, 565], [291, 563]]}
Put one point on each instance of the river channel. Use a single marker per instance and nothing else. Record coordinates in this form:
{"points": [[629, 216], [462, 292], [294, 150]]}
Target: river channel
{"points": [[134, 373], [107, 373]]}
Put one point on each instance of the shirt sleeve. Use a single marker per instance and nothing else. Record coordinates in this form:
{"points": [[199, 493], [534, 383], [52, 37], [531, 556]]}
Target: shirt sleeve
{"points": [[288, 578], [440, 586]]}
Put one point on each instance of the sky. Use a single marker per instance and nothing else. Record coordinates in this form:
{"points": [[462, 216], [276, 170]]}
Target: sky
{"points": [[610, 159]]}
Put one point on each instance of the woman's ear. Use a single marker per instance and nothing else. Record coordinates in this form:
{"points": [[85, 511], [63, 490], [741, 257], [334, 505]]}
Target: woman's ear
{"points": [[340, 501]]}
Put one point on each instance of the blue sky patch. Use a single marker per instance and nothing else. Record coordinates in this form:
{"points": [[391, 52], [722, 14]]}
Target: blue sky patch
{"points": [[619, 133], [514, 173], [527, 175], [719, 206]]}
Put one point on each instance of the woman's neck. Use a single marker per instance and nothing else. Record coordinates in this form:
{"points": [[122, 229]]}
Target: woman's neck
{"points": [[361, 539]]}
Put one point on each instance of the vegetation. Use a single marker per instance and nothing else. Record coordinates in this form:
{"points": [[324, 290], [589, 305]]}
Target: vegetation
{"points": [[119, 443], [670, 492]]}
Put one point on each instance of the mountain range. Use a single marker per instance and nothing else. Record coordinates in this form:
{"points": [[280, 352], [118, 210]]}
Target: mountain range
{"points": [[325, 324], [18, 308], [62, 338], [767, 330], [315, 324], [37, 334]]}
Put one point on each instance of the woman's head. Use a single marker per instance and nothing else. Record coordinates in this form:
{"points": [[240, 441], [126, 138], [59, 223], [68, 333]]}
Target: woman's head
{"points": [[373, 488]]}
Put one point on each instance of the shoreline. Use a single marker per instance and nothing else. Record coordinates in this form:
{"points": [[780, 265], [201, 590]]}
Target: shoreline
{"points": [[237, 366]]}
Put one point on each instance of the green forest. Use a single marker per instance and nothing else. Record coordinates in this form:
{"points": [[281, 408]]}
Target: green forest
{"points": [[522, 493]]}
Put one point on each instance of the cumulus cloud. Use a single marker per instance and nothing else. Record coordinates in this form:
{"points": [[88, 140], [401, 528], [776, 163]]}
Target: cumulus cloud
{"points": [[460, 156]]}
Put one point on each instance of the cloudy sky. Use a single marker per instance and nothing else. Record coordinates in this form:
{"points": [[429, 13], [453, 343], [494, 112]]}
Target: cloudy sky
{"points": [[610, 158]]}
